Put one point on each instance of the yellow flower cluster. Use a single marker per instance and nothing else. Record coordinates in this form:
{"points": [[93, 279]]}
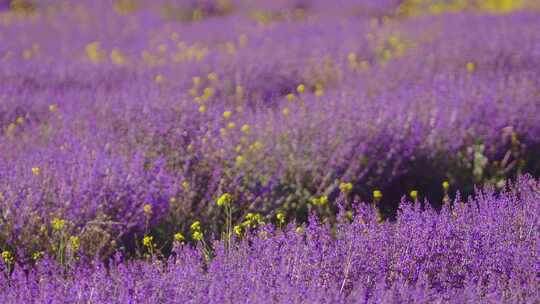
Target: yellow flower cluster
{"points": [[280, 216], [252, 220], [196, 231], [148, 241], [58, 224], [320, 201], [377, 194], [414, 194], [345, 187], [224, 199], [7, 257], [147, 208], [179, 237], [75, 242], [36, 170]]}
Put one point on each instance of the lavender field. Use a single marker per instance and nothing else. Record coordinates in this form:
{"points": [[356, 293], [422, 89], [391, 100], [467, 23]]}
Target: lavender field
{"points": [[270, 151]]}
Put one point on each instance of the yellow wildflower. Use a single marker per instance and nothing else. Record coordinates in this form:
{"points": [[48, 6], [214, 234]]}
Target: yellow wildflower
{"points": [[291, 97], [197, 235], [285, 111], [53, 107], [238, 229], [345, 187], [280, 216], [446, 185], [147, 241], [20, 120], [212, 76], [202, 109], [147, 208], [58, 224], [470, 67], [159, 78], [224, 199], [196, 226], [75, 242], [36, 170], [377, 194], [414, 194], [301, 88], [231, 125], [179, 237], [7, 257], [245, 128], [227, 114]]}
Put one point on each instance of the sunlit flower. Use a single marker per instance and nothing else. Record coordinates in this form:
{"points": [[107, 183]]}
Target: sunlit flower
{"points": [[58, 224], [148, 241], [377, 194], [300, 88], [36, 170], [224, 199], [179, 237]]}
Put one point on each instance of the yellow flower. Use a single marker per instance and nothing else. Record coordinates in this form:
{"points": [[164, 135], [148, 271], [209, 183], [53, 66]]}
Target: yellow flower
{"points": [[179, 237], [414, 194], [7, 257], [299, 230], [197, 235], [291, 97], [196, 81], [285, 111], [301, 88], [323, 200], [37, 255], [147, 209], [185, 185], [196, 226], [20, 120], [58, 224], [319, 92], [159, 78], [227, 114], [446, 185], [280, 216], [212, 76], [377, 194], [345, 187], [53, 107], [239, 160], [147, 241], [238, 229], [75, 242], [245, 128], [224, 199], [231, 125], [202, 109], [470, 67], [36, 170]]}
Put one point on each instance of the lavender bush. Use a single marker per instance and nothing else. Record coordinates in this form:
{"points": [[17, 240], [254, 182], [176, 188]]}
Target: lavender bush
{"points": [[123, 122]]}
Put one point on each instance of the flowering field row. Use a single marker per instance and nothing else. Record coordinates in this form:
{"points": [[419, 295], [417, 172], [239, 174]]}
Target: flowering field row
{"points": [[132, 126]]}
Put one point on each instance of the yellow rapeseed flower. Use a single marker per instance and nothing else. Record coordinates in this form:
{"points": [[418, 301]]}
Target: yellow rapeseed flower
{"points": [[196, 81], [377, 194], [239, 160], [245, 128], [446, 185], [301, 88], [470, 67], [159, 78], [231, 125], [414, 194], [147, 241], [147, 208], [227, 114], [7, 257], [36, 170], [53, 107], [291, 97], [58, 224], [285, 111], [345, 187], [197, 235], [280, 216], [202, 109], [212, 76], [20, 120], [179, 237], [224, 199], [75, 242], [196, 226], [238, 229]]}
